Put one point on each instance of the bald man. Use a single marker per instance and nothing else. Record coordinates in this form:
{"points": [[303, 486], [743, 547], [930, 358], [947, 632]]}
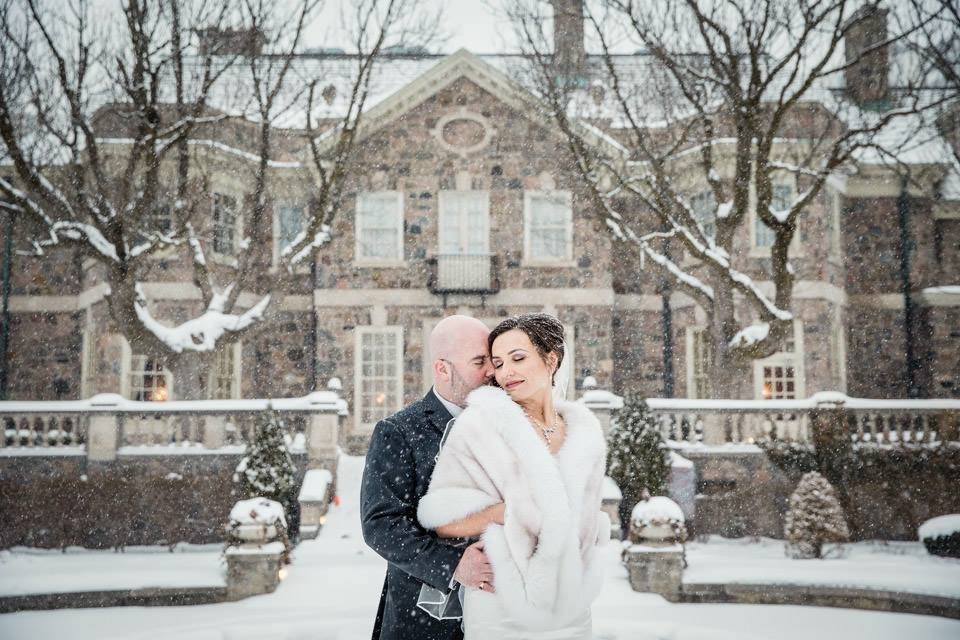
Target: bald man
{"points": [[400, 461]]}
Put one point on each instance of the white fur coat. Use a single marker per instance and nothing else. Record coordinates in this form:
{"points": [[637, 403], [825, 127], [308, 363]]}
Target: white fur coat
{"points": [[544, 557]]}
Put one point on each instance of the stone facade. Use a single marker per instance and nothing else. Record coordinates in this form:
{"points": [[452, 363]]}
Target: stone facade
{"points": [[848, 298]]}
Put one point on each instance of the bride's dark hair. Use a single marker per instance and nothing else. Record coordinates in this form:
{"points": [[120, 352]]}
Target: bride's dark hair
{"points": [[543, 329]]}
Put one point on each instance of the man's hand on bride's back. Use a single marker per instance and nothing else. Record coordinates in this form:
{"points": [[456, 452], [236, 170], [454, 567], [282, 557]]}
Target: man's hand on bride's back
{"points": [[474, 569]]}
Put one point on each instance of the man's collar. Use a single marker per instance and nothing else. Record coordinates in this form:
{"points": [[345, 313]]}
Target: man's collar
{"points": [[438, 414], [453, 408]]}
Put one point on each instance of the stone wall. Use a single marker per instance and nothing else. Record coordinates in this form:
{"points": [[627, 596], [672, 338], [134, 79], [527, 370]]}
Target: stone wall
{"points": [[745, 494], [56, 501]]}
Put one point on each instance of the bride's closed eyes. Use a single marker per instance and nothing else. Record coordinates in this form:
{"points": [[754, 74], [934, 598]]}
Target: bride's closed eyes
{"points": [[517, 357]]}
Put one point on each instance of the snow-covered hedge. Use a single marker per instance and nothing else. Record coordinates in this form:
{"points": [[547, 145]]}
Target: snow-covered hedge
{"points": [[941, 535]]}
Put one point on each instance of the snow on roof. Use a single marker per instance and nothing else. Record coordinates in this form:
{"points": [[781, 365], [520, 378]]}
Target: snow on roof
{"points": [[257, 511], [315, 485], [656, 510], [940, 526]]}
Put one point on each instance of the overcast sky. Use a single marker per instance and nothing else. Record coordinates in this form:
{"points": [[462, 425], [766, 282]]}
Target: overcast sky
{"points": [[470, 24]]}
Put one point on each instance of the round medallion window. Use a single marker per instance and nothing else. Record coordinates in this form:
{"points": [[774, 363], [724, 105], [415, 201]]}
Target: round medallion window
{"points": [[463, 132]]}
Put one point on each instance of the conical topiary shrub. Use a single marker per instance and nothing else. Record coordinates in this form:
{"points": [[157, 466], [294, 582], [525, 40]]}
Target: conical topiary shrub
{"points": [[638, 459], [267, 471], [814, 518]]}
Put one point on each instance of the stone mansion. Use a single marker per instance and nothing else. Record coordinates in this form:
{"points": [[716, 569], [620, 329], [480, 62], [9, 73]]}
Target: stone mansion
{"points": [[460, 202]]}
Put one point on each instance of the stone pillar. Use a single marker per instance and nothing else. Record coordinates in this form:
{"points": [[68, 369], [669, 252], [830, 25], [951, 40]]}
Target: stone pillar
{"points": [[103, 431], [602, 403], [714, 427], [655, 569], [323, 430], [314, 498], [214, 431], [253, 569]]}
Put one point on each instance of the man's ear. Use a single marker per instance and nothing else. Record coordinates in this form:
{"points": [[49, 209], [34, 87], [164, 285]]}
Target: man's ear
{"points": [[440, 370]]}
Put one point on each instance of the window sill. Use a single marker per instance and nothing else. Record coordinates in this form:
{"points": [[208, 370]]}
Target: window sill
{"points": [[228, 261], [541, 264], [380, 264]]}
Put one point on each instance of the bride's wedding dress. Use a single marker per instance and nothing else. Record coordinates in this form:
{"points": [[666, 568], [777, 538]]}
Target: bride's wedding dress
{"points": [[545, 565], [483, 617]]}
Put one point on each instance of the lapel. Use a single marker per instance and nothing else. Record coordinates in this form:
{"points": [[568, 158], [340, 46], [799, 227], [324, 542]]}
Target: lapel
{"points": [[434, 411]]}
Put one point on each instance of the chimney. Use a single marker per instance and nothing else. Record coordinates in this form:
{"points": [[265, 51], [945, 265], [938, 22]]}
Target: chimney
{"points": [[568, 47], [230, 42], [866, 77]]}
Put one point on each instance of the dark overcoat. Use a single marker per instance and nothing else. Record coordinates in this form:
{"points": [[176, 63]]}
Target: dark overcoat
{"points": [[399, 464]]}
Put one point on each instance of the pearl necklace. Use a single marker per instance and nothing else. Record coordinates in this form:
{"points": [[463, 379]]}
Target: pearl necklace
{"points": [[547, 430]]}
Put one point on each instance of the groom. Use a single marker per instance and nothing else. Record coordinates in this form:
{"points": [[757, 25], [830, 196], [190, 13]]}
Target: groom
{"points": [[400, 461]]}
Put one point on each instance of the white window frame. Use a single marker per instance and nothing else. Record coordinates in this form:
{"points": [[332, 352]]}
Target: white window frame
{"points": [[528, 258], [780, 180], [694, 334], [359, 333], [784, 359], [236, 350], [88, 366], [230, 258], [136, 369], [446, 199], [838, 350], [366, 261], [836, 208], [304, 265]]}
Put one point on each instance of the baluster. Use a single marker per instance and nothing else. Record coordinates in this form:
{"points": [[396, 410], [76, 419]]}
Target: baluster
{"points": [[875, 427], [51, 431], [926, 434]]}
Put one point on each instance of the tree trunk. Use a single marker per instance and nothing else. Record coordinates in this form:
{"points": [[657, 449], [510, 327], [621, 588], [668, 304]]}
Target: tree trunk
{"points": [[190, 375]]}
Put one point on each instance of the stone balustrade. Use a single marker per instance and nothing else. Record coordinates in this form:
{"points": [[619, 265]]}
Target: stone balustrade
{"points": [[106, 425], [725, 422]]}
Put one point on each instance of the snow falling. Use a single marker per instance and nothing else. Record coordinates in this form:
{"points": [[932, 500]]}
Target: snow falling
{"points": [[232, 232]]}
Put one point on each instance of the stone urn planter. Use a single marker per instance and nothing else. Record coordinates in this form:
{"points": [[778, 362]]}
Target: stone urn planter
{"points": [[655, 557], [255, 520], [254, 553]]}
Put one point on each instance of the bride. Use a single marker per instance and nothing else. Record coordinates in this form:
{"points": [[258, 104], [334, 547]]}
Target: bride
{"points": [[523, 471]]}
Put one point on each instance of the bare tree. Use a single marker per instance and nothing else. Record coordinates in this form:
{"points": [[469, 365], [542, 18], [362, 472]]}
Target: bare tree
{"points": [[64, 83], [692, 132]]}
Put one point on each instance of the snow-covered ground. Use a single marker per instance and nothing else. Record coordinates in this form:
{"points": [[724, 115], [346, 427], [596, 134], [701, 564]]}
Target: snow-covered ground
{"points": [[332, 590]]}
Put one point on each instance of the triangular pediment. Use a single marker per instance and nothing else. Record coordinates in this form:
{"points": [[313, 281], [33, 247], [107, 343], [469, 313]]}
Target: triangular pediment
{"points": [[460, 65]]}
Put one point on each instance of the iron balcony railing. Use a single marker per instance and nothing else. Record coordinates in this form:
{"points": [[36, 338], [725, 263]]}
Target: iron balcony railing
{"points": [[468, 273]]}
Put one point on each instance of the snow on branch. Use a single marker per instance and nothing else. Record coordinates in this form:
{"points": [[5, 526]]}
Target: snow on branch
{"points": [[751, 335], [201, 333]]}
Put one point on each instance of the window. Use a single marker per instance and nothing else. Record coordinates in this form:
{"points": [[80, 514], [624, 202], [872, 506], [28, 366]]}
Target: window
{"points": [[379, 227], [224, 223], [704, 207], [464, 222], [699, 359], [224, 382], [159, 218], [548, 226], [378, 364], [780, 376], [764, 236], [150, 380], [291, 221]]}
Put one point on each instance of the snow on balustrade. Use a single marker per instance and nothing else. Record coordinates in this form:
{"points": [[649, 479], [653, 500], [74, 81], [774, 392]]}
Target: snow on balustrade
{"points": [[180, 427], [728, 423]]}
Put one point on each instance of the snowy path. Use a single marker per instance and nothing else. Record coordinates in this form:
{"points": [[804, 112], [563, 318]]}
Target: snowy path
{"points": [[333, 587]]}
